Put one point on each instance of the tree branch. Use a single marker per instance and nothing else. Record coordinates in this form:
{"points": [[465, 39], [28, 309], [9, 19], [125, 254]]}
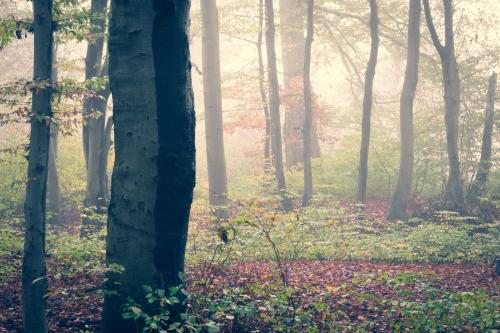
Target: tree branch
{"points": [[432, 29]]}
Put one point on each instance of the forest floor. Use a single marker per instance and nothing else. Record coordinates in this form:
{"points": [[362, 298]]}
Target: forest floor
{"points": [[75, 306], [336, 271]]}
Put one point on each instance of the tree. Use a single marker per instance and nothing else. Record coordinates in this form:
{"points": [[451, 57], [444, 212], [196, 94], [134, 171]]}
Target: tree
{"points": [[483, 170], [367, 103], [453, 197], [274, 106], [154, 173], [262, 89], [397, 209], [308, 107], [214, 127], [95, 139], [34, 273], [53, 191], [292, 15]]}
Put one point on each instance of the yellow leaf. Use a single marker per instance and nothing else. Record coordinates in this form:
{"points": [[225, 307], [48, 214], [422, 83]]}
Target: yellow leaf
{"points": [[135, 310]]}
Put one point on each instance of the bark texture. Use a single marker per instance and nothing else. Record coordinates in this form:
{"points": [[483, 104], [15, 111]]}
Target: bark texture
{"points": [[308, 107], [154, 173], [483, 170], [292, 26], [274, 104], [34, 280], [367, 103], [214, 127], [399, 201], [453, 196]]}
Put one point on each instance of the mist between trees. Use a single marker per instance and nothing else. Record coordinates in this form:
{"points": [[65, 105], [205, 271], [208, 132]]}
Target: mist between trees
{"points": [[249, 166]]}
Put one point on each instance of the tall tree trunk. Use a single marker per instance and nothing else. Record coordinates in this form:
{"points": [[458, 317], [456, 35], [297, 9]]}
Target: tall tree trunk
{"points": [[263, 95], [94, 110], [154, 172], [214, 127], [308, 181], [34, 279], [453, 197], [53, 192], [93, 63], [274, 103], [367, 104], [399, 201], [483, 169], [292, 24]]}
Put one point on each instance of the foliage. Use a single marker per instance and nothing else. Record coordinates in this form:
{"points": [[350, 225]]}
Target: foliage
{"points": [[164, 315], [413, 305], [339, 232], [75, 254]]}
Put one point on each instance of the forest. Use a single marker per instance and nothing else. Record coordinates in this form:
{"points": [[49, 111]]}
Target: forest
{"points": [[249, 166]]}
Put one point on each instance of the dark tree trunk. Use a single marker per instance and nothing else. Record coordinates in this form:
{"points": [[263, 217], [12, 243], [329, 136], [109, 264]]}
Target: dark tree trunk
{"points": [[263, 95], [214, 127], [367, 104], [483, 170], [399, 201], [274, 103], [308, 181], [94, 110], [292, 24], [154, 172], [34, 280], [453, 197]]}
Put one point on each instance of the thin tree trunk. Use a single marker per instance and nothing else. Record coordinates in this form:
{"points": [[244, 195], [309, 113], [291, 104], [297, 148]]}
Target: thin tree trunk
{"points": [[34, 272], [483, 170], [154, 173], [399, 201], [308, 181], [103, 172], [93, 59], [292, 25], [53, 192], [214, 127], [367, 104], [274, 103], [94, 130], [453, 197], [263, 95]]}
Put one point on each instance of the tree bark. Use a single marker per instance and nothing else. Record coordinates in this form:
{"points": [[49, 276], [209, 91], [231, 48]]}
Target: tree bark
{"points": [[399, 201], [367, 104], [292, 24], [214, 127], [263, 95], [274, 104], [308, 107], [34, 281], [94, 110], [483, 170], [154, 172], [453, 197]]}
